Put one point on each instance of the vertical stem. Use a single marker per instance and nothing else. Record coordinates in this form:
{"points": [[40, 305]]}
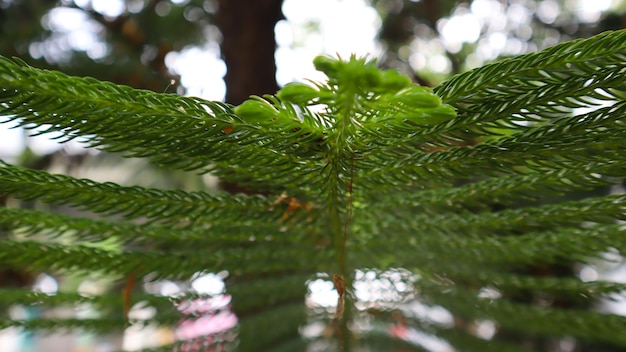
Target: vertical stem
{"points": [[338, 226], [334, 206], [344, 313]]}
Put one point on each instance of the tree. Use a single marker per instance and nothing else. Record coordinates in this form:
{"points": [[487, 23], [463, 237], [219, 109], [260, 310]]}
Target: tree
{"points": [[376, 182], [253, 72], [138, 36]]}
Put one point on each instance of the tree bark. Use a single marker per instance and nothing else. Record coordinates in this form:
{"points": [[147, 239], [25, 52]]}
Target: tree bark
{"points": [[248, 46]]}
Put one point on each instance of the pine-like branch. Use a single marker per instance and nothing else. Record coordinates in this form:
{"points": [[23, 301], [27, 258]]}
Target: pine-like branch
{"points": [[365, 170], [131, 202]]}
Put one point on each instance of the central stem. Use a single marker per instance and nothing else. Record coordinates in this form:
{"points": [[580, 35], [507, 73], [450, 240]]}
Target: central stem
{"points": [[340, 191], [336, 223], [338, 230], [340, 154]]}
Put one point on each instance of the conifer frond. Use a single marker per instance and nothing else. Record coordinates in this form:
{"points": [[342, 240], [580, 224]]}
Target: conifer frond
{"points": [[131, 202], [538, 248], [179, 264], [31, 223], [84, 107], [484, 197], [593, 326], [535, 84], [181, 132], [559, 287], [601, 210], [504, 189], [551, 149]]}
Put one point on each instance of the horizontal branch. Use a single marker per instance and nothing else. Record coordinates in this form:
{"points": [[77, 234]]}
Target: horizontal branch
{"points": [[175, 206]]}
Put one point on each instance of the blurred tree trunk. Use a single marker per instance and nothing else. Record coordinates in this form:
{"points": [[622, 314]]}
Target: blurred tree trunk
{"points": [[248, 46]]}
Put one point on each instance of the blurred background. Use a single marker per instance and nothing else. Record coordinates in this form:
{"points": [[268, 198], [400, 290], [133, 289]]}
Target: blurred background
{"points": [[228, 50]]}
